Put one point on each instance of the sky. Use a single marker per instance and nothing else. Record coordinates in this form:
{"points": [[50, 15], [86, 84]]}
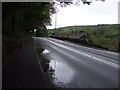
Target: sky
{"points": [[97, 12]]}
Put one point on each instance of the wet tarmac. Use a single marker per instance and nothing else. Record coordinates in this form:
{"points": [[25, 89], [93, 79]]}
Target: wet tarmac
{"points": [[72, 67], [60, 73]]}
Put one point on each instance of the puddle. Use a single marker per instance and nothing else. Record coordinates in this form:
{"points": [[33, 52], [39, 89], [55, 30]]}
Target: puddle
{"points": [[61, 73]]}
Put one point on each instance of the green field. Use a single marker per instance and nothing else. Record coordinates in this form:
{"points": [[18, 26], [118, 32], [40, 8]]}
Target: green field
{"points": [[104, 34]]}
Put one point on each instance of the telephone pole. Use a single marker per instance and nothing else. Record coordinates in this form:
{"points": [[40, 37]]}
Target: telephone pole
{"points": [[55, 20]]}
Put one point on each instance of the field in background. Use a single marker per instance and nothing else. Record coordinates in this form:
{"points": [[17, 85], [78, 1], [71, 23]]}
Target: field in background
{"points": [[103, 34]]}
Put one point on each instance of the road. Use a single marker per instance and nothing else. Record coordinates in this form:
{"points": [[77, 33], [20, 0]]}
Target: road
{"points": [[79, 66]]}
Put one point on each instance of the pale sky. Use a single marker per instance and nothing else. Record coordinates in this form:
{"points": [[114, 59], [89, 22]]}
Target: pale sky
{"points": [[97, 12]]}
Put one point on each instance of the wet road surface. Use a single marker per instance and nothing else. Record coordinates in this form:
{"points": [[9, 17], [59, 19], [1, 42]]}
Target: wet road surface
{"points": [[80, 67]]}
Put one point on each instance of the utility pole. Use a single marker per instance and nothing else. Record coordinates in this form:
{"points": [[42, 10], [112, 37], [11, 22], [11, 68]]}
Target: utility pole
{"points": [[55, 20], [119, 12], [21, 46]]}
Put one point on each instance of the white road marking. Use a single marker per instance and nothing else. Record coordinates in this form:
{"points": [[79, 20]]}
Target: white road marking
{"points": [[114, 53], [90, 56]]}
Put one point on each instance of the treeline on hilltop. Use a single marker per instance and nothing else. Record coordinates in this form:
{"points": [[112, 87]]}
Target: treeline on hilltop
{"points": [[19, 21], [106, 35]]}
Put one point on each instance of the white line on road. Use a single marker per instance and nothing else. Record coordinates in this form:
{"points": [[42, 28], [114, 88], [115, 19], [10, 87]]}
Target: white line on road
{"points": [[90, 56]]}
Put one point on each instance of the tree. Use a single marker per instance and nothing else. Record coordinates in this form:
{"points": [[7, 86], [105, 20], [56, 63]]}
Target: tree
{"points": [[19, 19], [26, 16], [76, 2], [37, 14], [41, 31]]}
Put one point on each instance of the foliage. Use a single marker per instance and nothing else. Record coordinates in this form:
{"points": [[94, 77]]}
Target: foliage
{"points": [[41, 31], [24, 17], [20, 19], [76, 2], [104, 35], [43, 60]]}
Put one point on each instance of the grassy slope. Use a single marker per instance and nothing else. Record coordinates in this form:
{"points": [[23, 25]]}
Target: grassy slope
{"points": [[99, 34]]}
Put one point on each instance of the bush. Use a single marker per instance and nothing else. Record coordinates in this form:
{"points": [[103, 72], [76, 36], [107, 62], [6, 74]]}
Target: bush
{"points": [[42, 32]]}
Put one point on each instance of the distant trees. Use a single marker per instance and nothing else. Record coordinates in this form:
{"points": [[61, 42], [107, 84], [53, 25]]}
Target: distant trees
{"points": [[105, 35]]}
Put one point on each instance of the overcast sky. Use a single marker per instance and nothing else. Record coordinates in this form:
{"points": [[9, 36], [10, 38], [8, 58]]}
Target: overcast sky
{"points": [[96, 13]]}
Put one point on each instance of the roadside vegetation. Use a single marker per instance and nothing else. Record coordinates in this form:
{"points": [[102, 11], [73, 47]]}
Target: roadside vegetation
{"points": [[104, 34], [47, 70], [19, 21], [41, 32], [43, 61]]}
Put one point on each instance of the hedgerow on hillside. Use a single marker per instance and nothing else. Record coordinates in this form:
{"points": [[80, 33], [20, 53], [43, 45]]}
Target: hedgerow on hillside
{"points": [[104, 34]]}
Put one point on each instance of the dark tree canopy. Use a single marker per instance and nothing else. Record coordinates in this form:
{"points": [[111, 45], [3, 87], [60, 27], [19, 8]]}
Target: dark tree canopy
{"points": [[20, 19], [26, 16], [77, 2], [29, 15]]}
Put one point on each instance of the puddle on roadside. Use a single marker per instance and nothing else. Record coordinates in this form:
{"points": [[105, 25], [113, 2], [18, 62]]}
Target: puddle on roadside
{"points": [[60, 73]]}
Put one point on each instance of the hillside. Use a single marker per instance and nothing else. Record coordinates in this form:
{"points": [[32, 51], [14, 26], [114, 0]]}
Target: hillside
{"points": [[104, 34]]}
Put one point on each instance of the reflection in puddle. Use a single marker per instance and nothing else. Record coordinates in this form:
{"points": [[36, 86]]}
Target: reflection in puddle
{"points": [[61, 73]]}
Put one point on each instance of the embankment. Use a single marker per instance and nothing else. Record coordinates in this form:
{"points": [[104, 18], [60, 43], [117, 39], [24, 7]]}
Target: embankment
{"points": [[81, 42]]}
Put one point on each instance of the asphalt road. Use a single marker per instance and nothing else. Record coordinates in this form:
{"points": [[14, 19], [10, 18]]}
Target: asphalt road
{"points": [[81, 67]]}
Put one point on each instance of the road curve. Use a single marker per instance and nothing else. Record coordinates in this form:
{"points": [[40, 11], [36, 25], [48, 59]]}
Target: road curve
{"points": [[88, 67]]}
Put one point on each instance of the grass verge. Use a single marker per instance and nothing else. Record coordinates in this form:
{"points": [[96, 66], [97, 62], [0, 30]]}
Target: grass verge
{"points": [[45, 66]]}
